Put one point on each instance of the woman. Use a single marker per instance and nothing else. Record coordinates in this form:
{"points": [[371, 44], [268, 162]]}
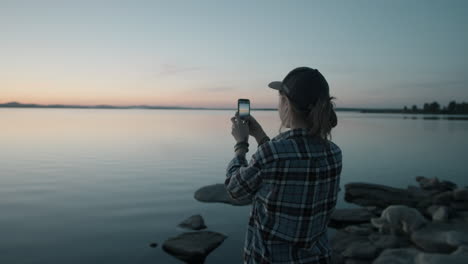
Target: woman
{"points": [[292, 179]]}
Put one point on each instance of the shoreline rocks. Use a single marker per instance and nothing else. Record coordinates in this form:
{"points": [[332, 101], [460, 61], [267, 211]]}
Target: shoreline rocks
{"points": [[344, 217], [216, 193], [194, 222], [425, 224], [420, 224], [193, 247]]}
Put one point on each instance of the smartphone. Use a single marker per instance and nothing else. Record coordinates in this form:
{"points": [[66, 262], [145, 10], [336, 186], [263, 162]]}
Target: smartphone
{"points": [[243, 107]]}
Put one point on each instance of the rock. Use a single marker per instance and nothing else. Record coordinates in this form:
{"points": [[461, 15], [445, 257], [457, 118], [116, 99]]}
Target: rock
{"points": [[459, 206], [374, 210], [367, 194], [461, 217], [443, 198], [460, 194], [153, 245], [431, 209], [460, 256], [448, 185], [399, 219], [388, 241], [424, 202], [397, 256], [193, 247], [441, 214], [340, 242], [414, 256], [365, 229], [435, 184], [217, 193], [461, 250], [344, 217], [357, 261], [441, 237], [428, 183], [194, 222], [361, 250]]}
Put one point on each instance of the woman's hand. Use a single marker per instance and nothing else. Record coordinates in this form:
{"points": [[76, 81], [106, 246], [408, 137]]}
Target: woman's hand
{"points": [[240, 129], [255, 129]]}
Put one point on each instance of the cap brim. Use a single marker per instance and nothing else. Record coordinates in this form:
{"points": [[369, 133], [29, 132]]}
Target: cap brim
{"points": [[275, 85]]}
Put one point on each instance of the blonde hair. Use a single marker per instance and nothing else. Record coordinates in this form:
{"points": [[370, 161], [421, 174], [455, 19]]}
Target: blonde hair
{"points": [[320, 118]]}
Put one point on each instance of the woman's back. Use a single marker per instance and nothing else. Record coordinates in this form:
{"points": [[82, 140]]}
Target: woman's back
{"points": [[293, 181]]}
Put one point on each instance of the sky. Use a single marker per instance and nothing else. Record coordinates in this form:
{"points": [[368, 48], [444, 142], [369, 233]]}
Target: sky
{"points": [[210, 53]]}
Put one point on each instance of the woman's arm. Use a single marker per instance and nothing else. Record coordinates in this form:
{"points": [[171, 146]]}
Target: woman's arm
{"points": [[242, 179]]}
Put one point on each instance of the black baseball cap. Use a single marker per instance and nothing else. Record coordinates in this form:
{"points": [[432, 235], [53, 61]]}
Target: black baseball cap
{"points": [[303, 86]]}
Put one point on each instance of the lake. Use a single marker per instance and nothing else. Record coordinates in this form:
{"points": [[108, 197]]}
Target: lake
{"points": [[97, 186]]}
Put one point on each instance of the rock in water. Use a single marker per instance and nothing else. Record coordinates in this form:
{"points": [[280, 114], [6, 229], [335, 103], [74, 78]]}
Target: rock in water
{"points": [[195, 222], [367, 194], [153, 245], [344, 217], [193, 247], [217, 193]]}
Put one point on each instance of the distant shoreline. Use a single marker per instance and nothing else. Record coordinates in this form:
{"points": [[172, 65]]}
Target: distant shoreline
{"points": [[59, 106]]}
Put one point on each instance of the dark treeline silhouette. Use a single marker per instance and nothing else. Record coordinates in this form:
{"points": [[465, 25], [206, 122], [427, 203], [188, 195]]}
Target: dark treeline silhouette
{"points": [[435, 108]]}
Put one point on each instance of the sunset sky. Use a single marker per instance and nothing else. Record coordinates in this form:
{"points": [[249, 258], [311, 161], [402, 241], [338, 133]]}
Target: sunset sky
{"points": [[209, 53]]}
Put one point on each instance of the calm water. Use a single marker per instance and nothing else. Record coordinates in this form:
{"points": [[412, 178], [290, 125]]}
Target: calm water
{"points": [[97, 186]]}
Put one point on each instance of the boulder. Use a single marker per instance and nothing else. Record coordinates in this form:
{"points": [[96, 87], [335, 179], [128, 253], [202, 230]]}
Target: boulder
{"points": [[441, 214], [349, 216], [460, 194], [193, 247], [364, 229], [435, 184], [461, 217], [194, 222], [340, 242], [361, 250], [459, 206], [431, 210], [367, 194], [397, 256], [443, 198], [374, 209], [414, 256], [217, 193], [384, 241], [460, 256], [399, 219], [357, 261], [441, 237]]}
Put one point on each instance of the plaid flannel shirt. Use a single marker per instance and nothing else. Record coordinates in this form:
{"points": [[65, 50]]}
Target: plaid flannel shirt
{"points": [[293, 181]]}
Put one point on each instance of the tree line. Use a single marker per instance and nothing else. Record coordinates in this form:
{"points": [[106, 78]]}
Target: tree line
{"points": [[435, 108]]}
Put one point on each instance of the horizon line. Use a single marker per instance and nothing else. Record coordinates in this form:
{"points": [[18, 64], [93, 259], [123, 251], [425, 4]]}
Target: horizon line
{"points": [[15, 104]]}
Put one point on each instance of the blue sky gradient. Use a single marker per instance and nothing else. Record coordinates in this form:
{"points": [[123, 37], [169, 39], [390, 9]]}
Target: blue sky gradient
{"points": [[209, 53]]}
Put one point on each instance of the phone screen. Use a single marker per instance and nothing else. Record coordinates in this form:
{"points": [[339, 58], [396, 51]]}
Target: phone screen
{"points": [[244, 108]]}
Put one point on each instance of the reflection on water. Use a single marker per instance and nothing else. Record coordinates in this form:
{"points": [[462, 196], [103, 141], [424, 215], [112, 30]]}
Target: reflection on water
{"points": [[97, 186]]}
